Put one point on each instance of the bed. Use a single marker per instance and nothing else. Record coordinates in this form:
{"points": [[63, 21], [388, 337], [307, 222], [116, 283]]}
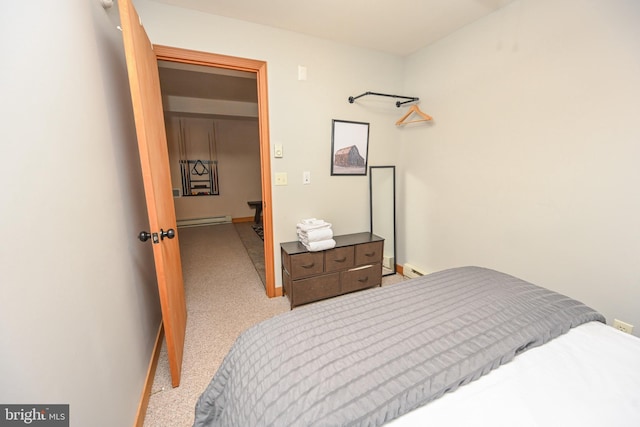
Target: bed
{"points": [[417, 353]]}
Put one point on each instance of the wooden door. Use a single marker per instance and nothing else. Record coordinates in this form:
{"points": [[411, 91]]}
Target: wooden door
{"points": [[154, 158]]}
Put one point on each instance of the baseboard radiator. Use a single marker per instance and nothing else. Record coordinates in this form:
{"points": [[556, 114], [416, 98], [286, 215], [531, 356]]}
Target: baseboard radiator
{"points": [[198, 222], [410, 271], [389, 262]]}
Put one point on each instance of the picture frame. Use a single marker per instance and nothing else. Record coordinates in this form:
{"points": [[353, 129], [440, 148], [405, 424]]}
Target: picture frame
{"points": [[349, 147]]}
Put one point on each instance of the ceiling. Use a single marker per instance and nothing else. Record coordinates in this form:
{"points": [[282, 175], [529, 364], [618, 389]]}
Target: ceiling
{"points": [[398, 27], [197, 90], [195, 81]]}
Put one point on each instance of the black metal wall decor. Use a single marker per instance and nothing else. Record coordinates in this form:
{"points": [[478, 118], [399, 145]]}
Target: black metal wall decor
{"points": [[199, 176]]}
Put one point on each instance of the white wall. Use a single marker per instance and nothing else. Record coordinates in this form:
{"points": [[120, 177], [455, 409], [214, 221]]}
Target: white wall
{"points": [[79, 308], [300, 112], [237, 148], [531, 166]]}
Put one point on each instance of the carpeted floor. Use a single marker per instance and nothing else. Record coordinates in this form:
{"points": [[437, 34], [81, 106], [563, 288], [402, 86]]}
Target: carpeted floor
{"points": [[224, 296]]}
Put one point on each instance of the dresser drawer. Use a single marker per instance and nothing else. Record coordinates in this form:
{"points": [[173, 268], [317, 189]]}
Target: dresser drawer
{"points": [[361, 278], [339, 259], [315, 288], [368, 253], [306, 264]]}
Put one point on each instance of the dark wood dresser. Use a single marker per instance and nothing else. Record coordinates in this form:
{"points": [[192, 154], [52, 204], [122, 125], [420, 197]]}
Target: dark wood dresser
{"points": [[354, 264]]}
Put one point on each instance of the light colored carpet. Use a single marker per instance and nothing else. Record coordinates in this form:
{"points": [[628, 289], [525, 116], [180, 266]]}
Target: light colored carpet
{"points": [[224, 296]]}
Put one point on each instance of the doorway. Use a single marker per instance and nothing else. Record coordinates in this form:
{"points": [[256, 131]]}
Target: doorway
{"points": [[258, 68]]}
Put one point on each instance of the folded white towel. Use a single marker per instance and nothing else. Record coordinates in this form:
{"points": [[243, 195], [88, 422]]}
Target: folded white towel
{"points": [[315, 235], [321, 245], [315, 226], [311, 221]]}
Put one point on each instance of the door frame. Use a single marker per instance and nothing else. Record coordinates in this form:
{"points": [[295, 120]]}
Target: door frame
{"points": [[187, 56]]}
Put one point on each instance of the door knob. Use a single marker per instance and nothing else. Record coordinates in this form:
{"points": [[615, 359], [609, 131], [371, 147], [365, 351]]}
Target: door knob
{"points": [[170, 234], [144, 236]]}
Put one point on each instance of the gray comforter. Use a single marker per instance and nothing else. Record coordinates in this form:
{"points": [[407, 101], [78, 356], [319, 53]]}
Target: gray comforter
{"points": [[366, 358]]}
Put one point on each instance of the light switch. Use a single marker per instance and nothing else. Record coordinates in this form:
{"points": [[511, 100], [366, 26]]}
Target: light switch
{"points": [[306, 177], [277, 152], [302, 73], [281, 178]]}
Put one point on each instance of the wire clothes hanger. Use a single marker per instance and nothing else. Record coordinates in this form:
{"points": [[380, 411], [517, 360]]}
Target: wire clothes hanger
{"points": [[424, 117]]}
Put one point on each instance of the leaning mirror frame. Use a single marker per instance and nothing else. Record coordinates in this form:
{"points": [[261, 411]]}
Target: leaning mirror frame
{"points": [[382, 212]]}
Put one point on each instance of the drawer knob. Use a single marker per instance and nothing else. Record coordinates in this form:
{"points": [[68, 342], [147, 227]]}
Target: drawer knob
{"points": [[341, 259], [370, 254], [308, 265], [364, 280]]}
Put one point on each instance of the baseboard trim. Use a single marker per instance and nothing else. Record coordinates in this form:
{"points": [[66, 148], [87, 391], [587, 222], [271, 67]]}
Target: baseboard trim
{"points": [[151, 373], [242, 219]]}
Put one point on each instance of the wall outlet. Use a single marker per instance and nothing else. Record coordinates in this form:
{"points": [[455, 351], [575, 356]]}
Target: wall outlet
{"points": [[622, 326]]}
